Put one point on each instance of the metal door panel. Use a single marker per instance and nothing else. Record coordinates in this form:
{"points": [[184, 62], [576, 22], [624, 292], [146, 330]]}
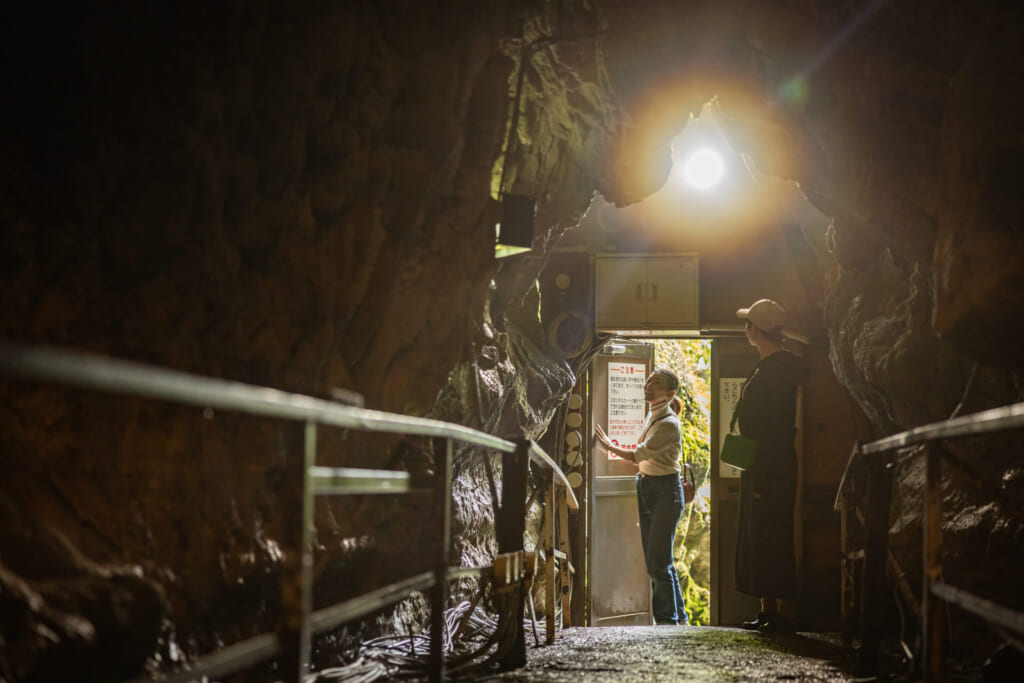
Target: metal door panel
{"points": [[621, 593], [619, 587]]}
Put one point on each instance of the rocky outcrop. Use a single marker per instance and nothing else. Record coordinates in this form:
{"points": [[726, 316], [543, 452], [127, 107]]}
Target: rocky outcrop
{"points": [[72, 612]]}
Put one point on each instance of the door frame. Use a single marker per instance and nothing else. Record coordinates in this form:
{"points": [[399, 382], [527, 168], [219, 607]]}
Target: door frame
{"points": [[594, 394]]}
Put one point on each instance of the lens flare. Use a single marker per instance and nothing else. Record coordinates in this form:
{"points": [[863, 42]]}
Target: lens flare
{"points": [[704, 169]]}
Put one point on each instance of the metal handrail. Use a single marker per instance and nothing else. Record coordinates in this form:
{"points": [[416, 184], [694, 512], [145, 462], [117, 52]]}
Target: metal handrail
{"points": [[336, 615], [94, 372], [986, 609], [263, 647], [985, 422], [350, 481], [232, 658], [538, 455]]}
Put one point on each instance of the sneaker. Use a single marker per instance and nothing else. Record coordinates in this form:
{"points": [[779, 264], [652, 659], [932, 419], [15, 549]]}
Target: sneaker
{"points": [[755, 624]]}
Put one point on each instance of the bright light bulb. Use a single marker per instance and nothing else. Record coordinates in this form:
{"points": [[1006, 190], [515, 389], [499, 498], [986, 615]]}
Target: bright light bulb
{"points": [[704, 168]]}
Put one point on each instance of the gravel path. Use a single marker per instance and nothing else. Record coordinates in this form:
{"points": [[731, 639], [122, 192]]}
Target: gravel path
{"points": [[680, 653]]}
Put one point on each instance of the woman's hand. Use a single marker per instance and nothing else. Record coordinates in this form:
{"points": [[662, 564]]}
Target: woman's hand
{"points": [[612, 448]]}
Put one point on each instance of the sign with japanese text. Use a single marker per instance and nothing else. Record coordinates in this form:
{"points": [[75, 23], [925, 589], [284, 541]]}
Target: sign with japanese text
{"points": [[728, 396], [626, 406]]}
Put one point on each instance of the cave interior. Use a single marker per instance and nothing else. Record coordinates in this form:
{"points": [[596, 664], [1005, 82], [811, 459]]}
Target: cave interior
{"points": [[304, 196]]}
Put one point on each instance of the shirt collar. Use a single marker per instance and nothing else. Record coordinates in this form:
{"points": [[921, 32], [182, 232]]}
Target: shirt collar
{"points": [[660, 409]]}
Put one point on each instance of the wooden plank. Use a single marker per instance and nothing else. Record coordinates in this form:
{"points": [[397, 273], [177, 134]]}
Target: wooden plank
{"points": [[831, 423], [509, 568], [469, 572], [900, 579]]}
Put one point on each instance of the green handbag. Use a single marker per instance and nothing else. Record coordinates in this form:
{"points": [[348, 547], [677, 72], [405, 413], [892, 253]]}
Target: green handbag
{"points": [[739, 451]]}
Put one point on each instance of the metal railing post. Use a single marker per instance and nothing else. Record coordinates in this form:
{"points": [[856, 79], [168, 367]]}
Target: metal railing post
{"points": [[439, 592], [876, 553], [511, 524], [551, 565], [297, 580], [563, 545], [289, 644], [846, 588], [931, 618]]}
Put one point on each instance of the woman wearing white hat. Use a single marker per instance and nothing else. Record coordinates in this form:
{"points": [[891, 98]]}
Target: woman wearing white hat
{"points": [[766, 413]]}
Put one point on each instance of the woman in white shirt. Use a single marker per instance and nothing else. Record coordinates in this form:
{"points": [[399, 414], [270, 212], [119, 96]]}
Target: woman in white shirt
{"points": [[659, 492]]}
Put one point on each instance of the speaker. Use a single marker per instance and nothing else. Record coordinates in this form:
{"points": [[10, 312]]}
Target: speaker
{"points": [[566, 302], [515, 225]]}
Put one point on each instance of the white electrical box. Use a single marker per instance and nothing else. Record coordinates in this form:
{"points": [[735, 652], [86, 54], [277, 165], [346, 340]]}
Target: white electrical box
{"points": [[645, 295]]}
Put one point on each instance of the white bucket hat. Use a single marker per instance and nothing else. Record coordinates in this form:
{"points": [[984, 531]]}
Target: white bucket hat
{"points": [[768, 315]]}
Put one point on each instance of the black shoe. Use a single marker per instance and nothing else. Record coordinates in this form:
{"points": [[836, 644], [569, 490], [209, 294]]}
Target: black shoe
{"points": [[776, 623], [755, 624]]}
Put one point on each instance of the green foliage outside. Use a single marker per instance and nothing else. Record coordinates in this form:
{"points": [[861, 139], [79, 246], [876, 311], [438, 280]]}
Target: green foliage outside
{"points": [[691, 360]]}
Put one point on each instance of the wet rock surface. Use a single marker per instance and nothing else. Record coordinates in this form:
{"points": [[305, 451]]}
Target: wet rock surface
{"points": [[681, 653]]}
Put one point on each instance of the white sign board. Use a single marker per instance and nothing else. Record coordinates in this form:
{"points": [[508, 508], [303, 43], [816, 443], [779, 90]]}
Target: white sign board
{"points": [[728, 396], [626, 407]]}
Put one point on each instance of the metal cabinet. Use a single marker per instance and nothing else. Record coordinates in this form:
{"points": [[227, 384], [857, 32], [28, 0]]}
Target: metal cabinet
{"points": [[641, 294]]}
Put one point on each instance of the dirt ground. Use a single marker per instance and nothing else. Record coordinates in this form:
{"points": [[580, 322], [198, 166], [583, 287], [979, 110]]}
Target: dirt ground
{"points": [[680, 653]]}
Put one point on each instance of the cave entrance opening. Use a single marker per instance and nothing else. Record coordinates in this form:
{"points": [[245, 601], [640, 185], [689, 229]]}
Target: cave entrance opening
{"points": [[690, 359], [619, 588]]}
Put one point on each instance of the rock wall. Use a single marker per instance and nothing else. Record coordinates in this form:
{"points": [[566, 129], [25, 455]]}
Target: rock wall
{"points": [[303, 196], [294, 196]]}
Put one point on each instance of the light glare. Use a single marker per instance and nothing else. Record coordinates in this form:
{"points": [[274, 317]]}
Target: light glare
{"points": [[704, 169]]}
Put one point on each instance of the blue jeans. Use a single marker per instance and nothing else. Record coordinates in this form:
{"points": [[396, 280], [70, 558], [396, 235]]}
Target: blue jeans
{"points": [[660, 501]]}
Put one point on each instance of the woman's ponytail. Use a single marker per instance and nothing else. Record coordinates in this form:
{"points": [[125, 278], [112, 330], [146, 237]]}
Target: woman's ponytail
{"points": [[676, 405]]}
